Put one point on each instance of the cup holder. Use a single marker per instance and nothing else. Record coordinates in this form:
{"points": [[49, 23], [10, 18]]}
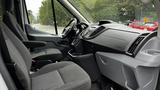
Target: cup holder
{"points": [[153, 52]]}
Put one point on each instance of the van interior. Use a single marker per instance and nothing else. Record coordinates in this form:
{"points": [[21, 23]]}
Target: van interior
{"points": [[49, 51]]}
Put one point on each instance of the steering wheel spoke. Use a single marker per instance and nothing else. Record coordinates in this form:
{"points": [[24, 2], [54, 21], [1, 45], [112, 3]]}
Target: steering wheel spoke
{"points": [[71, 25]]}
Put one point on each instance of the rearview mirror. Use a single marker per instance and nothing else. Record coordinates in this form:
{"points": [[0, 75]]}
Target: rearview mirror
{"points": [[146, 1]]}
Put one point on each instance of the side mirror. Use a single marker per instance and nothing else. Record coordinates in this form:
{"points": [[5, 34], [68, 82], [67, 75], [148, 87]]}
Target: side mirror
{"points": [[146, 1]]}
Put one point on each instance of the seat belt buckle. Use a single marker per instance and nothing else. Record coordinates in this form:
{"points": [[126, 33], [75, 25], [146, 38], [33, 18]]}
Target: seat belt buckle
{"points": [[11, 66]]}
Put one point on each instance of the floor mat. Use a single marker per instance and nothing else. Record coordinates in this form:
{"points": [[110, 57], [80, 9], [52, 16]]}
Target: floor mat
{"points": [[95, 86]]}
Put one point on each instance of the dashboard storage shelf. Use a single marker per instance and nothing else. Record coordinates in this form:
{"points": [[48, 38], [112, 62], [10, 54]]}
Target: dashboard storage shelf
{"points": [[127, 71], [152, 52]]}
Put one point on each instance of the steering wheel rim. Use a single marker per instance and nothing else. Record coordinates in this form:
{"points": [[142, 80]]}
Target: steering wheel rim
{"points": [[70, 26]]}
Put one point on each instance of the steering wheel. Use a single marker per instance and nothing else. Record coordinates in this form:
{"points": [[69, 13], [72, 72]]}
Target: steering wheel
{"points": [[70, 26]]}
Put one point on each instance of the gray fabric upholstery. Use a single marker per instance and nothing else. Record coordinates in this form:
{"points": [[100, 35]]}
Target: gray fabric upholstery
{"points": [[9, 7], [44, 54], [58, 76], [65, 76], [10, 20], [19, 54]]}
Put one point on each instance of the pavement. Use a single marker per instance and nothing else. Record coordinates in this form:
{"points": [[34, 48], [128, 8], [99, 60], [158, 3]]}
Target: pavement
{"points": [[47, 28]]}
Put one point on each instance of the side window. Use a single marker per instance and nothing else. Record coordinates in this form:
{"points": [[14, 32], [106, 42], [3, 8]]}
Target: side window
{"points": [[41, 17]]}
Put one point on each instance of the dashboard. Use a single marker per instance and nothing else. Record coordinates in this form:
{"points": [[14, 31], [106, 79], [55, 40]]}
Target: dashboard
{"points": [[127, 56], [117, 37], [124, 55]]}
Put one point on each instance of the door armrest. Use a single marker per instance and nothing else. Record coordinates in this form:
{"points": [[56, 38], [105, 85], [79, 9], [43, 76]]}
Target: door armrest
{"points": [[34, 44]]}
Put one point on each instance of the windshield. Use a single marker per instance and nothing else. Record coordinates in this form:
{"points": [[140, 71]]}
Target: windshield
{"points": [[121, 11]]}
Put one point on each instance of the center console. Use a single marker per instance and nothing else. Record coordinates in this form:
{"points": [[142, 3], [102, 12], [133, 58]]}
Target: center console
{"points": [[87, 62]]}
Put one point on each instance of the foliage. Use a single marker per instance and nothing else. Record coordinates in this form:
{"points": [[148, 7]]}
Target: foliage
{"points": [[116, 10], [46, 14], [31, 17]]}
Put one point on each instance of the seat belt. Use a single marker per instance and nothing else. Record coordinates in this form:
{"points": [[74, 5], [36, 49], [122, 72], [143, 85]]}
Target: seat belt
{"points": [[10, 64]]}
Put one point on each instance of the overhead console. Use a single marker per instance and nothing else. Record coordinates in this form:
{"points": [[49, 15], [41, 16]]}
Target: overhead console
{"points": [[117, 36]]}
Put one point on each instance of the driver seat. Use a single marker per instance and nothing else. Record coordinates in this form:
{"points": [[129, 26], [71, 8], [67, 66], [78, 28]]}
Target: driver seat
{"points": [[64, 75], [11, 21]]}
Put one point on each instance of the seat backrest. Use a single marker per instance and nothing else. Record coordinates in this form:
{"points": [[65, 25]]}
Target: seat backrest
{"points": [[19, 54], [11, 21]]}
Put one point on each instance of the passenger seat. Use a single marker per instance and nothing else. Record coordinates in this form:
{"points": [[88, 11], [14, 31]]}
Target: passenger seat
{"points": [[58, 76], [44, 54]]}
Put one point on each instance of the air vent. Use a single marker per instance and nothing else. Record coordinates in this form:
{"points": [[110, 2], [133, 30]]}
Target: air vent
{"points": [[97, 31], [136, 43]]}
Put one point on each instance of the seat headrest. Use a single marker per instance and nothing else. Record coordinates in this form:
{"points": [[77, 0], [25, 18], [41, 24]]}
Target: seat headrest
{"points": [[1, 10], [9, 4]]}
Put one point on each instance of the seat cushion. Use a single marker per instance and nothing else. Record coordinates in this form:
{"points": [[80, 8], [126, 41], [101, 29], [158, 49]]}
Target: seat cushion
{"points": [[61, 76], [47, 54]]}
